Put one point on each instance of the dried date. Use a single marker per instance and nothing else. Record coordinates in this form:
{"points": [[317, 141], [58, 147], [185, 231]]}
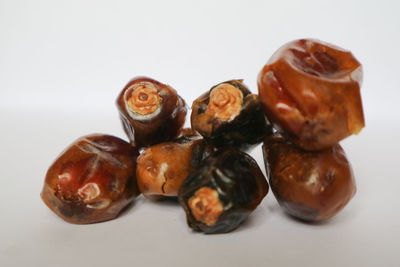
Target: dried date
{"points": [[309, 185], [92, 180], [310, 90], [151, 112], [223, 190], [229, 115]]}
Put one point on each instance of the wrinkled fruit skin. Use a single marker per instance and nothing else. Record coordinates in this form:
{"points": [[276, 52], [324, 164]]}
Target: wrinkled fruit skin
{"points": [[229, 185], [164, 124], [92, 180], [310, 90], [162, 168], [309, 185], [247, 128]]}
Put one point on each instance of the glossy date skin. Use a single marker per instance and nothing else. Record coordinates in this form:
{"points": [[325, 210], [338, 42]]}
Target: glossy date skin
{"points": [[151, 112], [310, 91], [309, 185], [221, 193], [92, 180], [229, 115], [162, 168]]}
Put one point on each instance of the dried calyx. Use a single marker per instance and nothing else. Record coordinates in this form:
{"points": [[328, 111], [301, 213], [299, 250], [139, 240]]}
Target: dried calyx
{"points": [[225, 102], [205, 206], [143, 98]]}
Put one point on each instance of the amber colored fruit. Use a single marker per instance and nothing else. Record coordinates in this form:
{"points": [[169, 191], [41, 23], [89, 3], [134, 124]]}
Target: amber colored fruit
{"points": [[229, 115], [162, 168], [310, 90], [151, 112], [309, 185], [222, 191], [92, 180]]}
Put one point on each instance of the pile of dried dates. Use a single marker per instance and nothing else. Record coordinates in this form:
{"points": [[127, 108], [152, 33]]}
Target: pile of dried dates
{"points": [[309, 99]]}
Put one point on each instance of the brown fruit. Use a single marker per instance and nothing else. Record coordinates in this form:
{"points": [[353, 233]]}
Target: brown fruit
{"points": [[309, 185], [92, 180], [310, 90], [222, 191], [229, 115], [151, 112], [162, 168]]}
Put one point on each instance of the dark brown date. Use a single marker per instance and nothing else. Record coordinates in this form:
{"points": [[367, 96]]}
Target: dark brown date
{"points": [[162, 168], [222, 191], [309, 185], [92, 180], [151, 112], [310, 90], [228, 114]]}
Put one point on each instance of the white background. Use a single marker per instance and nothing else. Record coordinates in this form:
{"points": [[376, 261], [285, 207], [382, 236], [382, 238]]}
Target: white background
{"points": [[63, 63]]}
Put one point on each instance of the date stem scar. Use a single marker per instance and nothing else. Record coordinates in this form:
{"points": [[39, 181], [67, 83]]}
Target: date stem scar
{"points": [[225, 102], [144, 99], [206, 206]]}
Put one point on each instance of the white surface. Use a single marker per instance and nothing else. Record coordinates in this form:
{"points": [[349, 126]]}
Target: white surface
{"points": [[62, 65]]}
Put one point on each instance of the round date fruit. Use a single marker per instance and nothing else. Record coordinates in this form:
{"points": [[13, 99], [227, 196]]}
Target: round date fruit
{"points": [[151, 112], [162, 168], [222, 191], [228, 114], [309, 185], [92, 180], [310, 90]]}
